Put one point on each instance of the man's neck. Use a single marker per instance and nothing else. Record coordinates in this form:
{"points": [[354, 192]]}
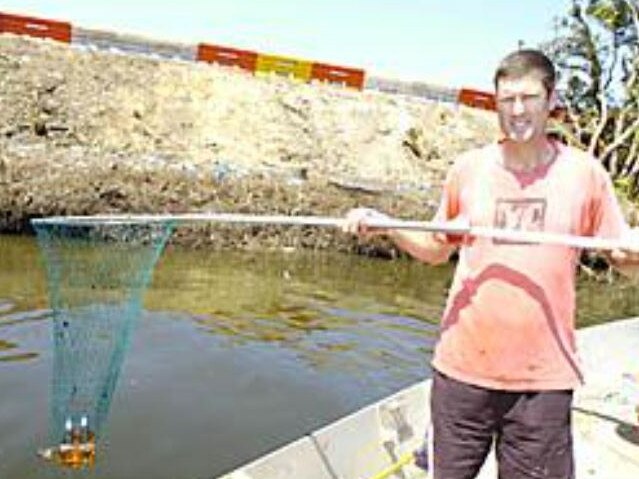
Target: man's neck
{"points": [[527, 156]]}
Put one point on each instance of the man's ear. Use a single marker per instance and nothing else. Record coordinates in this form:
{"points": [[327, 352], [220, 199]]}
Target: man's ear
{"points": [[553, 100]]}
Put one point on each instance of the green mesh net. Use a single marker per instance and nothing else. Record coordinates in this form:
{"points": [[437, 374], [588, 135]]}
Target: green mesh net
{"points": [[97, 272]]}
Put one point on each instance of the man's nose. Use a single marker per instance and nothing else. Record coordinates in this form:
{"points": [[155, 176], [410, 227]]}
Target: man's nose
{"points": [[518, 105]]}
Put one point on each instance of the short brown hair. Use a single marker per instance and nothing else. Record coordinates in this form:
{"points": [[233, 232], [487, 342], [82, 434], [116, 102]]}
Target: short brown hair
{"points": [[523, 62]]}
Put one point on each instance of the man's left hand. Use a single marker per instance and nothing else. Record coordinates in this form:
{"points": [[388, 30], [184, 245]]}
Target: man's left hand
{"points": [[626, 260]]}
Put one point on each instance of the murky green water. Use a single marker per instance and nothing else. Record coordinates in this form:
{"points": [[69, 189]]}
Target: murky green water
{"points": [[235, 354]]}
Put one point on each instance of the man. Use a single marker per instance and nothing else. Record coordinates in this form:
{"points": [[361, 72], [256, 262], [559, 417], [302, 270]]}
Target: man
{"points": [[505, 365]]}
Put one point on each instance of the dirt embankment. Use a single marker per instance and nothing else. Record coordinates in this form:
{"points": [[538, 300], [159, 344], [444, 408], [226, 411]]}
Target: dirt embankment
{"points": [[85, 132]]}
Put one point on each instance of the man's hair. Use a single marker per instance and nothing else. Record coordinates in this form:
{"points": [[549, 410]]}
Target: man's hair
{"points": [[524, 62]]}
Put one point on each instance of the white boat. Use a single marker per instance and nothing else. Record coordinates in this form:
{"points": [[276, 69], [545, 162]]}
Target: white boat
{"points": [[378, 441]]}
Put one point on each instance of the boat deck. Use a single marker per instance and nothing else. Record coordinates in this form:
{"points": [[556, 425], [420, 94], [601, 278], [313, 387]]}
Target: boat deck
{"points": [[370, 443]]}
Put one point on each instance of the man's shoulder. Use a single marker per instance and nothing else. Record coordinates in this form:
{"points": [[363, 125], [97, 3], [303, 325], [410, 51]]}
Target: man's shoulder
{"points": [[573, 153], [580, 159], [474, 156]]}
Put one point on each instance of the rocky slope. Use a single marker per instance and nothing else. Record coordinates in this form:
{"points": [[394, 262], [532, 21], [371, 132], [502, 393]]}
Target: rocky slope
{"points": [[85, 131]]}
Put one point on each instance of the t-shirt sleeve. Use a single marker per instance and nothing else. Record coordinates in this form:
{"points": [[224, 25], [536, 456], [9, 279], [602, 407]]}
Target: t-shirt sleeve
{"points": [[603, 217]]}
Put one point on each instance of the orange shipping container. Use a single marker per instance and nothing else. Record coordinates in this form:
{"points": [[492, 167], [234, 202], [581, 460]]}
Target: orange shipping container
{"points": [[227, 56], [35, 27], [351, 77]]}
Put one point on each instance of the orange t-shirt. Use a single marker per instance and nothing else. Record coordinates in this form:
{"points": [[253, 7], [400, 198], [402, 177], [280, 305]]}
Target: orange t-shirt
{"points": [[509, 318]]}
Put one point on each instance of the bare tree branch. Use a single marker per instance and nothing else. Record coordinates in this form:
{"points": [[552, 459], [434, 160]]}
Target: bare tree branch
{"points": [[601, 124], [633, 156], [634, 12], [599, 51], [590, 50], [621, 139]]}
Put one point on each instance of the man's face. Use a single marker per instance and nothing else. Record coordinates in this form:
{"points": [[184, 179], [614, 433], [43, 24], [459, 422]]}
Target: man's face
{"points": [[523, 106]]}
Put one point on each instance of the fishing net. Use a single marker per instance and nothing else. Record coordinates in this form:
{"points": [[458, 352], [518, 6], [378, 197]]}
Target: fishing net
{"points": [[97, 272]]}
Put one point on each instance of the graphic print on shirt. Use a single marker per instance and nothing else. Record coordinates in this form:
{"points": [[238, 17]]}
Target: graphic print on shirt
{"points": [[528, 214]]}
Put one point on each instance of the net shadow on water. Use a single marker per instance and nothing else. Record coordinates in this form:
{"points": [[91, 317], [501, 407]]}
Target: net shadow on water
{"points": [[96, 274]]}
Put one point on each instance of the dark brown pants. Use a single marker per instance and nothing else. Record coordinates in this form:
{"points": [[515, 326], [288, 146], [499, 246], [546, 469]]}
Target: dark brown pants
{"points": [[531, 431]]}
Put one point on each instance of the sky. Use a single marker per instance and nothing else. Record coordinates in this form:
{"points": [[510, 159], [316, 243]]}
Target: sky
{"points": [[454, 43]]}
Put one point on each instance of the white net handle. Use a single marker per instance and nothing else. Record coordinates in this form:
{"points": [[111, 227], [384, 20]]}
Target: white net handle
{"points": [[509, 235]]}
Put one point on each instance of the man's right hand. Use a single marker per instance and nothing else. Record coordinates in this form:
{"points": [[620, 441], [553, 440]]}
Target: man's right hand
{"points": [[357, 221]]}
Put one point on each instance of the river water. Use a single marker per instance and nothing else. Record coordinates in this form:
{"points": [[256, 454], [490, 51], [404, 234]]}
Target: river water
{"points": [[234, 355]]}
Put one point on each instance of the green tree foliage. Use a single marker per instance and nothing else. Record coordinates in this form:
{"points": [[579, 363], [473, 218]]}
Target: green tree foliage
{"points": [[596, 48]]}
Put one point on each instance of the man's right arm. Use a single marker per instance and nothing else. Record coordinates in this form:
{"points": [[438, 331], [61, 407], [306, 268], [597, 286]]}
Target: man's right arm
{"points": [[431, 248]]}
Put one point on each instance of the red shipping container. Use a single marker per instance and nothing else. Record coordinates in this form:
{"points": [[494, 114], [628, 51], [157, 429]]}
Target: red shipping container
{"points": [[476, 99], [35, 27], [352, 77], [227, 56]]}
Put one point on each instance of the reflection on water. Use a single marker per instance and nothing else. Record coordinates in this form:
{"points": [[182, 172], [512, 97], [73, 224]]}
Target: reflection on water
{"points": [[235, 354], [331, 311]]}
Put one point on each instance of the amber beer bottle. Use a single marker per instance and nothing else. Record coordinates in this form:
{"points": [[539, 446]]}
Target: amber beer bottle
{"points": [[78, 446], [69, 453], [88, 442]]}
